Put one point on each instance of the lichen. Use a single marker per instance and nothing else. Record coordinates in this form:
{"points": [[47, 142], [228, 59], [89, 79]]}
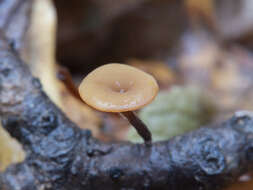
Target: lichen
{"points": [[174, 112]]}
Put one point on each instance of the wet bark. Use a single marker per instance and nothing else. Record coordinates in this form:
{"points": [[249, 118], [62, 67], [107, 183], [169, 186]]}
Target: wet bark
{"points": [[61, 156], [14, 21]]}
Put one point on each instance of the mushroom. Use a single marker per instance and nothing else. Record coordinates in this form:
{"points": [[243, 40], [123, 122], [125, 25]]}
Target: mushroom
{"points": [[120, 88]]}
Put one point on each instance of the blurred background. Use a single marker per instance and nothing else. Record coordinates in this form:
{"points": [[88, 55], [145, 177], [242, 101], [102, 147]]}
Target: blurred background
{"points": [[91, 32], [200, 52]]}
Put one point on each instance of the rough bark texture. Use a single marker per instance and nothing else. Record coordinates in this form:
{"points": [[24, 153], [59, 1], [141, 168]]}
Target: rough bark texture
{"points": [[62, 156], [14, 20]]}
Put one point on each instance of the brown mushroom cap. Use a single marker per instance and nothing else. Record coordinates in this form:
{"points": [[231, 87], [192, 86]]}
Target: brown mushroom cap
{"points": [[118, 88]]}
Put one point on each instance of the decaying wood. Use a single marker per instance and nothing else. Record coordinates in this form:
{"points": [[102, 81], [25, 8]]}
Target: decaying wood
{"points": [[14, 21], [60, 155]]}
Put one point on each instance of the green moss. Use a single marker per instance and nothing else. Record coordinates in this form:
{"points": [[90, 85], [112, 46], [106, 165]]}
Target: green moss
{"points": [[175, 112]]}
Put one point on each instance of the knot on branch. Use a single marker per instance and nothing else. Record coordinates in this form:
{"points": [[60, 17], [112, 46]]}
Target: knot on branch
{"points": [[242, 121], [210, 159]]}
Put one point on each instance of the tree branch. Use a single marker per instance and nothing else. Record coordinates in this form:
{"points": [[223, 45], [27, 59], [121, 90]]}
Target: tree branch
{"points": [[14, 20], [62, 156]]}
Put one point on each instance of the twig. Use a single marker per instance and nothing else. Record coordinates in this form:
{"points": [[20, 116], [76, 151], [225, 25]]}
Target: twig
{"points": [[62, 156]]}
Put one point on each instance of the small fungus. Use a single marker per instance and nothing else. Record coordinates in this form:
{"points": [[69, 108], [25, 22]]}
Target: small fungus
{"points": [[120, 88]]}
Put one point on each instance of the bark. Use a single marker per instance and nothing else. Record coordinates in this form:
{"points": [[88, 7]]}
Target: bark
{"points": [[62, 156], [14, 20]]}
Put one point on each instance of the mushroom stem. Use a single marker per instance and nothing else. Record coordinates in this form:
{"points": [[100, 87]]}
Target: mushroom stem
{"points": [[140, 127]]}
